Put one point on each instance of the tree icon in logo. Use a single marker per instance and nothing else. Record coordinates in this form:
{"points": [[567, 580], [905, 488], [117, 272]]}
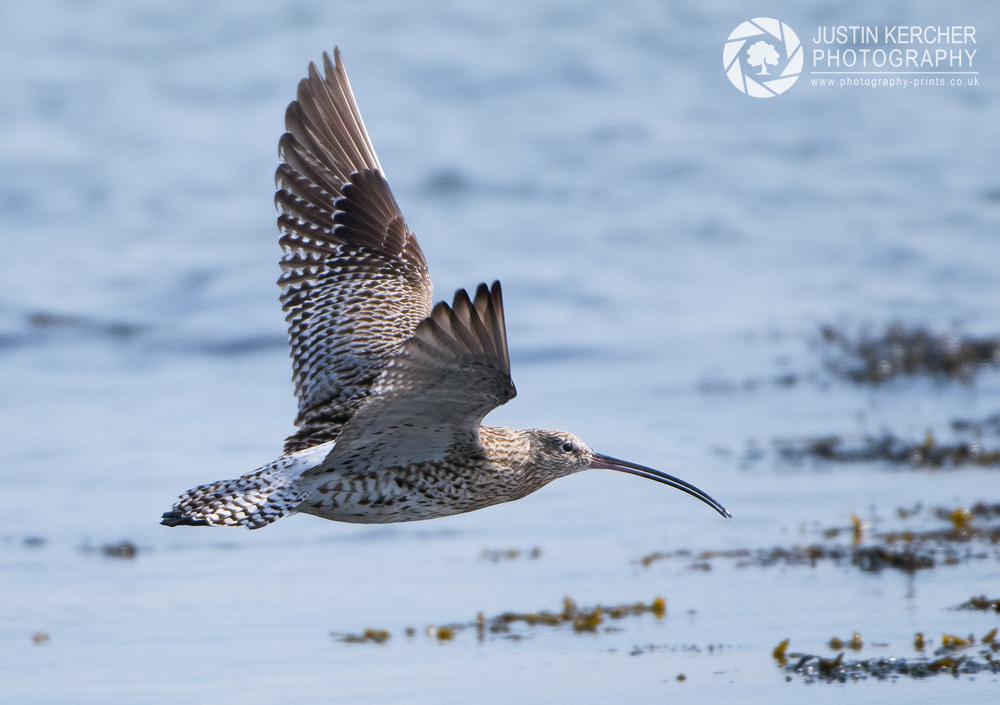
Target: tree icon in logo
{"points": [[763, 42], [761, 54]]}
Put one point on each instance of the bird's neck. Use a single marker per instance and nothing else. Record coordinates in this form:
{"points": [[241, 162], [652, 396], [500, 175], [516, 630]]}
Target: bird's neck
{"points": [[505, 447], [509, 454]]}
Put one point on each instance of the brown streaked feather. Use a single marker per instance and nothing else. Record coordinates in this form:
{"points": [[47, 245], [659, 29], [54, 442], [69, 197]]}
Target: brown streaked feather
{"points": [[355, 283], [434, 393]]}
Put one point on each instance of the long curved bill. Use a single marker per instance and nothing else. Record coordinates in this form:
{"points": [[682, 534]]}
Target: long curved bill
{"points": [[608, 463]]}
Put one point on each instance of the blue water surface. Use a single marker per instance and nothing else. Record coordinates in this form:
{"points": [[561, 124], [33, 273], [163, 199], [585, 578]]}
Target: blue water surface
{"points": [[668, 247]]}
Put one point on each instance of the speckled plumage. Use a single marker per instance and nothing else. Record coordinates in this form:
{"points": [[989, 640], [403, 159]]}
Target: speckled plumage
{"points": [[355, 283], [391, 392]]}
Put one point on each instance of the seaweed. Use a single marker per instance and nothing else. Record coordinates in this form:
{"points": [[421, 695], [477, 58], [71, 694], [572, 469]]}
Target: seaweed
{"points": [[368, 636], [509, 554], [901, 351], [855, 643], [582, 620], [816, 668], [968, 448], [889, 448], [46, 320], [907, 551], [779, 654], [981, 603], [868, 559], [125, 549]]}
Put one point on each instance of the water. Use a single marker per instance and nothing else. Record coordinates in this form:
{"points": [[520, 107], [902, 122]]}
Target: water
{"points": [[668, 248]]}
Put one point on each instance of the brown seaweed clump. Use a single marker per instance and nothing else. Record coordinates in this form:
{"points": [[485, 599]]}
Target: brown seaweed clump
{"points": [[889, 448], [369, 636], [981, 603], [509, 554], [966, 531], [583, 620], [779, 654], [875, 359], [125, 549], [855, 643], [836, 670], [868, 559]]}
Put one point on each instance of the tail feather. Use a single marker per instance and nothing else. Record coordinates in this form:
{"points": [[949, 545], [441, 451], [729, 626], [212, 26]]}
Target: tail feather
{"points": [[177, 518], [254, 500]]}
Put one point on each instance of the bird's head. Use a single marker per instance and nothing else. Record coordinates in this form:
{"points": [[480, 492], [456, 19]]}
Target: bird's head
{"points": [[556, 454]]}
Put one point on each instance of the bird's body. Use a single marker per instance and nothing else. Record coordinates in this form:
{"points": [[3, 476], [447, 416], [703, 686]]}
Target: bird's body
{"points": [[467, 478], [392, 392]]}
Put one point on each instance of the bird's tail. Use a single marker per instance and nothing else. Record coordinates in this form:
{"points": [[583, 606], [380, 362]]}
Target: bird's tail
{"points": [[254, 500]]}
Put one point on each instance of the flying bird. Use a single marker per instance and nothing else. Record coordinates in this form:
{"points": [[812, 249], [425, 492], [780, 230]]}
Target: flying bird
{"points": [[391, 390]]}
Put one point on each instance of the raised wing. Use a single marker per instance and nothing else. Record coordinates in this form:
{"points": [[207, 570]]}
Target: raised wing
{"points": [[435, 392], [355, 282]]}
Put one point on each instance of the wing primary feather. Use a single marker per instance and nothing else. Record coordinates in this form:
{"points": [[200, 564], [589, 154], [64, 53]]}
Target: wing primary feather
{"points": [[500, 323], [486, 342], [328, 121], [440, 326], [301, 161], [491, 303], [462, 326], [482, 295], [429, 349], [483, 310], [344, 84]]}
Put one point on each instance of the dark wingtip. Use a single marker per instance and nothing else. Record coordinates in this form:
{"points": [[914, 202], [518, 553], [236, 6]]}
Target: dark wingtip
{"points": [[175, 518]]}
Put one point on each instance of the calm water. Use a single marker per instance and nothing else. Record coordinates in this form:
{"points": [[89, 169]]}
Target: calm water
{"points": [[668, 248]]}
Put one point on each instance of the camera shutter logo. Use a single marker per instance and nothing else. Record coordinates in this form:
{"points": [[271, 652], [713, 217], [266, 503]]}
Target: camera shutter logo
{"points": [[753, 47]]}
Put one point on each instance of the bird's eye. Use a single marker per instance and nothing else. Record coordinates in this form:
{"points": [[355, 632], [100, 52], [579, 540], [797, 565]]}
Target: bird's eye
{"points": [[568, 447]]}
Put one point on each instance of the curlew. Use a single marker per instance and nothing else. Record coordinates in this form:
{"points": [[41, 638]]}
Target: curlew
{"points": [[391, 392]]}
